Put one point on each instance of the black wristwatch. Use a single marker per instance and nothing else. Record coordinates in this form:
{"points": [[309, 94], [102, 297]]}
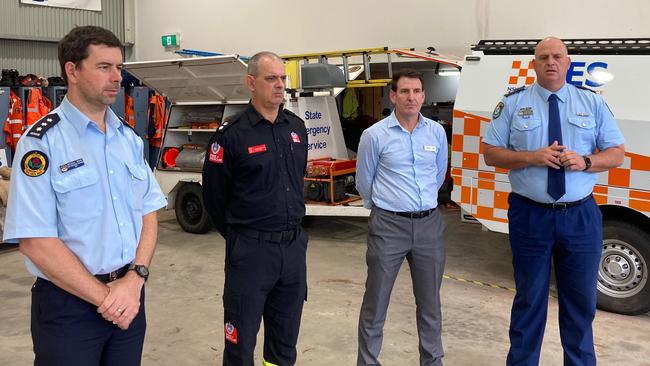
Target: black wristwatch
{"points": [[587, 163], [140, 270]]}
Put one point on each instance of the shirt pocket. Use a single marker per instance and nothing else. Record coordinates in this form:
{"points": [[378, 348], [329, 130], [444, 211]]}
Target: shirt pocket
{"points": [[582, 135], [78, 194], [525, 134], [138, 183]]}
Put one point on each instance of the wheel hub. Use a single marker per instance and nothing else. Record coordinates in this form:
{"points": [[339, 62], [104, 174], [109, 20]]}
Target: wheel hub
{"points": [[622, 271]]}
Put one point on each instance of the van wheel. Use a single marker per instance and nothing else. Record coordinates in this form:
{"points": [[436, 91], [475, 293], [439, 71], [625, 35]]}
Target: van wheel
{"points": [[623, 285], [190, 211]]}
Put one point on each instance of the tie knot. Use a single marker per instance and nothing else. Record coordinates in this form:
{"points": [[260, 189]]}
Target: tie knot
{"points": [[552, 98]]}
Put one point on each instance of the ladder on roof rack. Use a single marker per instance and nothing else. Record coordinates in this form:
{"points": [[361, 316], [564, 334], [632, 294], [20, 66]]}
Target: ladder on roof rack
{"points": [[585, 46], [293, 62]]}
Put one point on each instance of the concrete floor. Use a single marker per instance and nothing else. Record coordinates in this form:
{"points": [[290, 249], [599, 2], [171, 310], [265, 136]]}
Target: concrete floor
{"points": [[184, 308]]}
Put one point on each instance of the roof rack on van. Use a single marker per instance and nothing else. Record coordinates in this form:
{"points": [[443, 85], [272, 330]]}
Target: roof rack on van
{"points": [[586, 46]]}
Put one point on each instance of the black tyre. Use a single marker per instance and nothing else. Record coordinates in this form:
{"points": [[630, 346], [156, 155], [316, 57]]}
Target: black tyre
{"points": [[623, 285], [190, 211]]}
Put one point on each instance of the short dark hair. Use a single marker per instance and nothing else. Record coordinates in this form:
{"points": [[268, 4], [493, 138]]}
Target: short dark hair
{"points": [[74, 46], [405, 73]]}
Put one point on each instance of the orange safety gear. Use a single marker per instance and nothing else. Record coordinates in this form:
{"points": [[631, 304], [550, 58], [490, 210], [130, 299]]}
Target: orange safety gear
{"points": [[157, 119], [129, 111], [15, 124], [37, 106]]}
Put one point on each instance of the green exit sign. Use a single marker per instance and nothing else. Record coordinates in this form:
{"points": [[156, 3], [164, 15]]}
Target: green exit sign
{"points": [[170, 40]]}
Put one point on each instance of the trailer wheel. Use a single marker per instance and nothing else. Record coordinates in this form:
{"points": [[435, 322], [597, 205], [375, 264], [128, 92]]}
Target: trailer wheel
{"points": [[623, 285], [190, 211]]}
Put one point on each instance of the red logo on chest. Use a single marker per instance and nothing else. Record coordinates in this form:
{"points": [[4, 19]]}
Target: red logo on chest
{"points": [[257, 149]]}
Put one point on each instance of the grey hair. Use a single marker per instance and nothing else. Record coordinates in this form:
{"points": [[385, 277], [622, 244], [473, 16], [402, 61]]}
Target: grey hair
{"points": [[254, 62]]}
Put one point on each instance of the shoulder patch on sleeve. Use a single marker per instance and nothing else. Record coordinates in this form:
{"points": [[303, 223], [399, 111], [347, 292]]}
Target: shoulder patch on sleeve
{"points": [[497, 110], [226, 124], [39, 128], [515, 91], [34, 163], [585, 88]]}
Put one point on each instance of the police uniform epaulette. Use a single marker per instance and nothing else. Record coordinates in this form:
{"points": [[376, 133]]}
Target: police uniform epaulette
{"points": [[515, 91], [126, 124], [585, 88], [41, 126], [224, 126]]}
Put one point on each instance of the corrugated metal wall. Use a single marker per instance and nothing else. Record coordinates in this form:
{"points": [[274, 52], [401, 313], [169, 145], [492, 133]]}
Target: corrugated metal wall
{"points": [[29, 57], [28, 34]]}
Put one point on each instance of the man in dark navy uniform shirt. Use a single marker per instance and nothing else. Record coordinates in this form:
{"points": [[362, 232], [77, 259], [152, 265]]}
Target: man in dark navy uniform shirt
{"points": [[253, 189]]}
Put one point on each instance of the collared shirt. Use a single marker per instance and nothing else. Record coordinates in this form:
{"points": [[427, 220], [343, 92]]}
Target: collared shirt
{"points": [[254, 172], [92, 195], [401, 171], [587, 124]]}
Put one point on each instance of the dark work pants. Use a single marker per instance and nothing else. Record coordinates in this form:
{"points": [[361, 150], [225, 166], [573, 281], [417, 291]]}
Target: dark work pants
{"points": [[67, 330], [572, 238], [263, 279]]}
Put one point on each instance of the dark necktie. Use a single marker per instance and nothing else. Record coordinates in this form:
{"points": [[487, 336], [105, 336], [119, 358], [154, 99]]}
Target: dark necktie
{"points": [[556, 186]]}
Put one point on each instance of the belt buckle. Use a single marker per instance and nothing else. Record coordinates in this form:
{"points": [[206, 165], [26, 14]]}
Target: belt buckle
{"points": [[560, 205], [287, 235], [112, 276]]}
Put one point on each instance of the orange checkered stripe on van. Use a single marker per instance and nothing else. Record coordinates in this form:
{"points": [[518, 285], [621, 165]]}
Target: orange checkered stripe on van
{"points": [[524, 73]]}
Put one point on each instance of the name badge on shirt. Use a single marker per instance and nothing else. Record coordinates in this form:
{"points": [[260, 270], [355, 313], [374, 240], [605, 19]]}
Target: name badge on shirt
{"points": [[257, 149], [71, 165], [431, 148]]}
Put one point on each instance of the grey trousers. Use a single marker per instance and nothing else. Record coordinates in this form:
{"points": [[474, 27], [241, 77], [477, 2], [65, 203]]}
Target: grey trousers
{"points": [[392, 238]]}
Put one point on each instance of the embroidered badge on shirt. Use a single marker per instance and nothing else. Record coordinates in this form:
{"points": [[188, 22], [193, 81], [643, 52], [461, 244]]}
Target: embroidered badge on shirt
{"points": [[525, 112], [231, 333], [430, 148], [294, 137], [216, 154], [71, 165], [257, 149], [497, 110], [34, 163]]}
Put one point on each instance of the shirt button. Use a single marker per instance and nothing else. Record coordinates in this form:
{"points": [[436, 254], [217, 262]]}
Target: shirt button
{"points": [[114, 198], [525, 126], [126, 250], [583, 124], [121, 224], [280, 155], [110, 172], [288, 189]]}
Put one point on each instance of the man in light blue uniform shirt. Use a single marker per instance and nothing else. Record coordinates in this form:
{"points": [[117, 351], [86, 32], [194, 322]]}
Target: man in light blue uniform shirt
{"points": [[401, 164], [82, 205], [554, 137]]}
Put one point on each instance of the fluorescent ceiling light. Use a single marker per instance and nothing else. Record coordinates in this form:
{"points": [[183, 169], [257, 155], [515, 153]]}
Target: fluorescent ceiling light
{"points": [[449, 72]]}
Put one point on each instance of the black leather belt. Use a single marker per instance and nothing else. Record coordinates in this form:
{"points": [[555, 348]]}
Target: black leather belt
{"points": [[554, 205], [112, 276], [274, 236], [412, 215]]}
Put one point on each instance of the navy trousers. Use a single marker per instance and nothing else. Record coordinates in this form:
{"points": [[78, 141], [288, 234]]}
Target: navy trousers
{"points": [[67, 330], [572, 239], [264, 278]]}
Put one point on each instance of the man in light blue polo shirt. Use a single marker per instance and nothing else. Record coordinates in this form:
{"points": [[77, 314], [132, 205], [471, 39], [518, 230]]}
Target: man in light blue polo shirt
{"points": [[554, 137], [401, 165], [82, 205]]}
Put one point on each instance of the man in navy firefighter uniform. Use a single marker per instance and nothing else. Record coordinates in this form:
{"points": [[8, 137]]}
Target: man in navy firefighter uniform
{"points": [[554, 137], [253, 188]]}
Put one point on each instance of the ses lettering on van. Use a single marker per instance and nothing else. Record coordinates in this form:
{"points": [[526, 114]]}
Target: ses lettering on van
{"points": [[592, 75]]}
